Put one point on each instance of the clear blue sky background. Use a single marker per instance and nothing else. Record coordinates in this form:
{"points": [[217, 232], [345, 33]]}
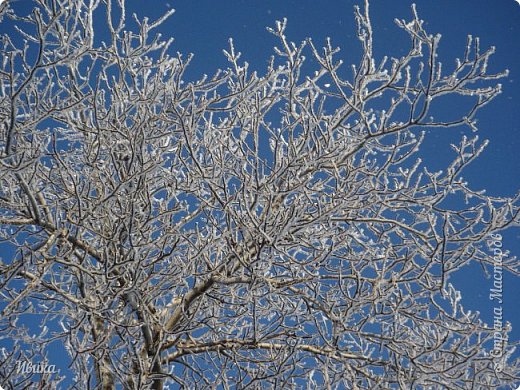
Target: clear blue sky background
{"points": [[203, 27]]}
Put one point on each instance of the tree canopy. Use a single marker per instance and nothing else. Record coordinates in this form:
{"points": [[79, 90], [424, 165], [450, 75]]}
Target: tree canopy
{"points": [[247, 229]]}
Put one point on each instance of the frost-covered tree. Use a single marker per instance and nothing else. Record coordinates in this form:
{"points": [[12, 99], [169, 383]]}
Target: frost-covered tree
{"points": [[244, 230]]}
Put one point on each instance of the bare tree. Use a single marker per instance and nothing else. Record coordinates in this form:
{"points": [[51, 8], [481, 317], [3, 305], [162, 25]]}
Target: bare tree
{"points": [[243, 230]]}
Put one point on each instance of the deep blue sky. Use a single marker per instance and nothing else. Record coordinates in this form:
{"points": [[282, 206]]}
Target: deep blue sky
{"points": [[203, 27]]}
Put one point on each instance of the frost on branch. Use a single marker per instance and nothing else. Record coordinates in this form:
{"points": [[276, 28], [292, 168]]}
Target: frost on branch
{"points": [[276, 229]]}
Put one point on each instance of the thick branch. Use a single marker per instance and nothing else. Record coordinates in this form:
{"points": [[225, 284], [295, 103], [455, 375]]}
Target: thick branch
{"points": [[238, 344]]}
